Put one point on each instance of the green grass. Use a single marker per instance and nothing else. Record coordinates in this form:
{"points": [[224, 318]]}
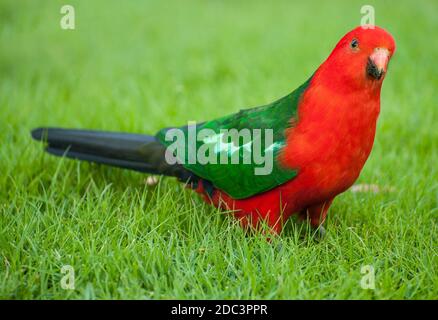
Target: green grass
{"points": [[145, 65]]}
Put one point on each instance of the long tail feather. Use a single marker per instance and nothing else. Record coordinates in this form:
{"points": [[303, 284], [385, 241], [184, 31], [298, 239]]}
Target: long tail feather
{"points": [[131, 151]]}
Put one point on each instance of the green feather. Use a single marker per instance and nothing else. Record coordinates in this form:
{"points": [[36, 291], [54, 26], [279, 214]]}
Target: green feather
{"points": [[240, 180]]}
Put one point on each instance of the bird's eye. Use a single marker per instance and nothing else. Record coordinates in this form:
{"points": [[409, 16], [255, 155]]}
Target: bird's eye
{"points": [[354, 44]]}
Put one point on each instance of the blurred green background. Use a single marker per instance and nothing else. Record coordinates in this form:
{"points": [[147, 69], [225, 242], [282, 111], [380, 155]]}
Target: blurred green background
{"points": [[138, 66]]}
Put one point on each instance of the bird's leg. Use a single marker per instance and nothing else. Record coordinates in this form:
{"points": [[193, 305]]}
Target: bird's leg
{"points": [[316, 215]]}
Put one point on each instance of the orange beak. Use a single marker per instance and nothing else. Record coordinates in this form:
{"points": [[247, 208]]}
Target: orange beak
{"points": [[378, 63]]}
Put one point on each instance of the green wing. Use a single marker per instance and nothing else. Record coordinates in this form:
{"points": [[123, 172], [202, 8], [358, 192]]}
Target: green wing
{"points": [[238, 153]]}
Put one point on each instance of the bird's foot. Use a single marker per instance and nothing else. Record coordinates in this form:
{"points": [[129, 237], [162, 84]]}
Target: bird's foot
{"points": [[320, 233]]}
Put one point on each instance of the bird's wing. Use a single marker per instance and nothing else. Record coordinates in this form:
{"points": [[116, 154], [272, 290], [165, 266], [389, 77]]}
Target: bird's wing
{"points": [[233, 152]]}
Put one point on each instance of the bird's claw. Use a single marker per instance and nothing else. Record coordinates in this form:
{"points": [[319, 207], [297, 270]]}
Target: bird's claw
{"points": [[320, 233]]}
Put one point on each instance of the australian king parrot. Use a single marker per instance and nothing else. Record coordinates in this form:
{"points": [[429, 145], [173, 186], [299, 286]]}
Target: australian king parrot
{"points": [[318, 137]]}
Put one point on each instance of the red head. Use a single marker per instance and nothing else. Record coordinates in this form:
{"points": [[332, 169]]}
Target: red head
{"points": [[360, 59]]}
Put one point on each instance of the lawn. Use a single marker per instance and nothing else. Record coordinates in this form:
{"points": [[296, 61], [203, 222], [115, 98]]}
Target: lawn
{"points": [[140, 66]]}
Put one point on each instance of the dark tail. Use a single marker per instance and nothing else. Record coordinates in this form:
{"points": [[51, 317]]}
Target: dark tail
{"points": [[131, 151]]}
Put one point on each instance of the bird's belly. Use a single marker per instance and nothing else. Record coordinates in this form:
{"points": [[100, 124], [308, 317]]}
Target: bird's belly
{"points": [[334, 177], [335, 173], [331, 170]]}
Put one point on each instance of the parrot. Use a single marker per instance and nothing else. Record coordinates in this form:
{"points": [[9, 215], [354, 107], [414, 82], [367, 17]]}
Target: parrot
{"points": [[321, 133]]}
